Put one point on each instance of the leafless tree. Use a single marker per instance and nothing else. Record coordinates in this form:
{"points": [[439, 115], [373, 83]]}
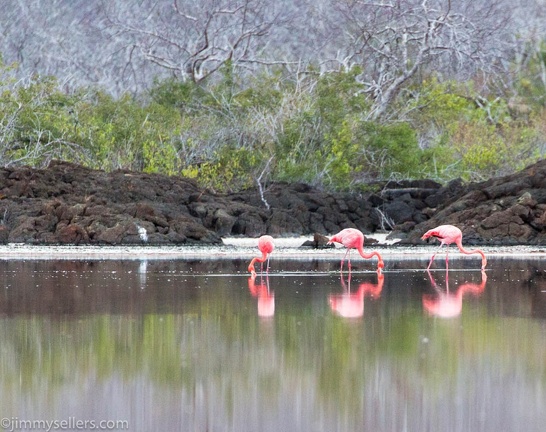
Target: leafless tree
{"points": [[194, 39], [70, 40], [123, 46], [527, 36], [394, 40]]}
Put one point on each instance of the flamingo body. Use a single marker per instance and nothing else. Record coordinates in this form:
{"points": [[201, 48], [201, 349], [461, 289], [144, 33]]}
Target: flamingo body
{"points": [[266, 246], [448, 234], [352, 238]]}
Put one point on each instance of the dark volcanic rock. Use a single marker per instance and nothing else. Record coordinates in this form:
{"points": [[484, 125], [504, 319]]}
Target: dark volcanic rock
{"points": [[505, 210], [70, 204]]}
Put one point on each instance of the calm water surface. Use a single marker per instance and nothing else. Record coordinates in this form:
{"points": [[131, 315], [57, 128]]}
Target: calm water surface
{"points": [[197, 345]]}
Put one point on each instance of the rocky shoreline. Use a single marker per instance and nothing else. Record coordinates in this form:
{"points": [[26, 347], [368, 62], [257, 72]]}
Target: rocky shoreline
{"points": [[70, 204]]}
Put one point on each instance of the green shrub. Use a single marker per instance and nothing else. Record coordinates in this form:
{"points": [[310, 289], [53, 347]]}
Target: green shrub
{"points": [[123, 133], [487, 151], [228, 134], [388, 151], [38, 124]]}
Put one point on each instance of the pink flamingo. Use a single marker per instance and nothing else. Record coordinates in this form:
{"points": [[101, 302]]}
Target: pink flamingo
{"points": [[351, 305], [448, 234], [266, 298], [352, 238], [447, 304], [266, 246]]}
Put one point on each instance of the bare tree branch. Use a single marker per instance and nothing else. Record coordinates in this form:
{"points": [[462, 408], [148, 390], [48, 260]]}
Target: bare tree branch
{"points": [[392, 42], [200, 37]]}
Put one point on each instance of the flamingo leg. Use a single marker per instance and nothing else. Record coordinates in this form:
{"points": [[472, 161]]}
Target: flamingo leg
{"points": [[343, 259], [262, 266], [348, 253], [447, 257], [431, 260], [434, 255], [349, 266]]}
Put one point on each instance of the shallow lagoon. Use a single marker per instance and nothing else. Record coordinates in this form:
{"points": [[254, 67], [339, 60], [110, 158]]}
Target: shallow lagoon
{"points": [[183, 339]]}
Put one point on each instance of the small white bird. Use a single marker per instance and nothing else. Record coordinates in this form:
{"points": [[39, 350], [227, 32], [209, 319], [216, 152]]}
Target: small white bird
{"points": [[142, 233]]}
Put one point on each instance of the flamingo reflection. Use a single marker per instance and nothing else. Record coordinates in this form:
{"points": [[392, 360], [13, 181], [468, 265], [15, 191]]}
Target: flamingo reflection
{"points": [[351, 305], [266, 298], [446, 304]]}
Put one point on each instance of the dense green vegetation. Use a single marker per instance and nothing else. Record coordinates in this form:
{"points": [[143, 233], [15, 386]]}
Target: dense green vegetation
{"points": [[229, 135]]}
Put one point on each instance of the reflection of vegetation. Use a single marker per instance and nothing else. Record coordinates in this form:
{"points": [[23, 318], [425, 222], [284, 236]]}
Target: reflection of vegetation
{"points": [[231, 353]]}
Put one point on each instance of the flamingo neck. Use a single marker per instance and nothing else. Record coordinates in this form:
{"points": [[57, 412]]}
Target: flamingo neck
{"points": [[257, 259], [371, 255], [473, 251]]}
